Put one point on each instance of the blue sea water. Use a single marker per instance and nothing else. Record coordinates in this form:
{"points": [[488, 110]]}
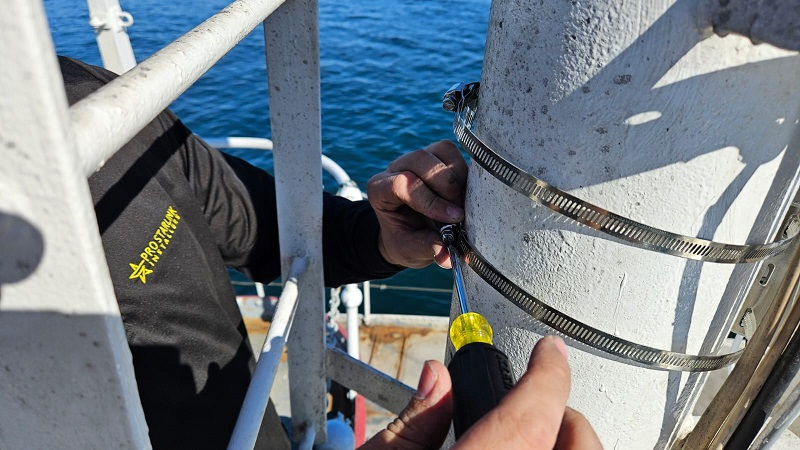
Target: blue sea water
{"points": [[384, 67]]}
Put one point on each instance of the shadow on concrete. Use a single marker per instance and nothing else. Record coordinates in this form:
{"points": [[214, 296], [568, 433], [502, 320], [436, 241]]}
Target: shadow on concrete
{"points": [[21, 249]]}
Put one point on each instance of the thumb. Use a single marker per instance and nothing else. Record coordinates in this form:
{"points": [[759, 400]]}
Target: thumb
{"points": [[425, 421]]}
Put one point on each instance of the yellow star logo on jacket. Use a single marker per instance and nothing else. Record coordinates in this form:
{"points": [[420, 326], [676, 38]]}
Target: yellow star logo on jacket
{"points": [[154, 249], [140, 272]]}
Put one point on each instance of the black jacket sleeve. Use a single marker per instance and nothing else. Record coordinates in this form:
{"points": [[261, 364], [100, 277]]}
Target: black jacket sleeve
{"points": [[238, 202], [240, 207]]}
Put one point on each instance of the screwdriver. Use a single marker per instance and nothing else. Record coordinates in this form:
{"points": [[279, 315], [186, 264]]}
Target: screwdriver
{"points": [[481, 374]]}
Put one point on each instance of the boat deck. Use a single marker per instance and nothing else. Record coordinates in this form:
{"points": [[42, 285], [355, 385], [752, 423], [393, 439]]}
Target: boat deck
{"points": [[397, 345]]}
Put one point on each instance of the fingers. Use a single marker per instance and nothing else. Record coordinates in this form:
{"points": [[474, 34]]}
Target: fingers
{"points": [[417, 189], [425, 421], [448, 153], [430, 181], [533, 415], [440, 165], [391, 190], [441, 256], [530, 415], [576, 433]]}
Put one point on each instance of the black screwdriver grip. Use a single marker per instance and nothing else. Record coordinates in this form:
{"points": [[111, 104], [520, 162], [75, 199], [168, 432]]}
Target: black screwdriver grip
{"points": [[481, 375]]}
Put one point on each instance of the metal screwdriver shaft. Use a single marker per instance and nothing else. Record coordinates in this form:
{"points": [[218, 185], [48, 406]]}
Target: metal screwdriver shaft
{"points": [[481, 374], [448, 233]]}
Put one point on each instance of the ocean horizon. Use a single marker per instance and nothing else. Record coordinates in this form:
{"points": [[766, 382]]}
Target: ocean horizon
{"points": [[384, 68]]}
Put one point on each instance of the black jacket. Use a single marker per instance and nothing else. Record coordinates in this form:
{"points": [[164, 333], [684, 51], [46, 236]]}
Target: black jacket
{"points": [[173, 213]]}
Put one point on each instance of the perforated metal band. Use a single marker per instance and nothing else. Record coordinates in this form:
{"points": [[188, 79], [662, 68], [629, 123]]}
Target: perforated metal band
{"points": [[565, 325], [462, 99]]}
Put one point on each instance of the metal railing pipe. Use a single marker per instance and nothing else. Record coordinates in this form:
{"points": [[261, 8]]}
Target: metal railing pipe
{"points": [[329, 165], [291, 37], [367, 302], [780, 380], [110, 22], [255, 401], [352, 297], [386, 391], [107, 119], [763, 349]]}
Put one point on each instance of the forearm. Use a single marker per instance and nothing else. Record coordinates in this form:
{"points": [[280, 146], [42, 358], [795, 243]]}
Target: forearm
{"points": [[350, 243]]}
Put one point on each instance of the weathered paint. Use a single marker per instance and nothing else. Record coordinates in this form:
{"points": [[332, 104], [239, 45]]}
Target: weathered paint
{"points": [[292, 41], [639, 108], [66, 377], [111, 116]]}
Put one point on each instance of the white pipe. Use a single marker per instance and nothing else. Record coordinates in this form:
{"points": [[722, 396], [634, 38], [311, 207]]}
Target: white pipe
{"points": [[341, 177], [107, 119], [367, 302], [639, 111], [351, 297], [255, 401], [110, 23], [386, 391], [329, 165], [292, 49], [240, 142], [260, 290]]}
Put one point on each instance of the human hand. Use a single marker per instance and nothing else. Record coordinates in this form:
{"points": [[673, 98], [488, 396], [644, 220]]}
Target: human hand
{"points": [[425, 421], [533, 415], [414, 191]]}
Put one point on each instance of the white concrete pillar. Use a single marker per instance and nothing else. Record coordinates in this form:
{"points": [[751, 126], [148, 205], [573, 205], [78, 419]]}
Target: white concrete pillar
{"points": [[637, 108], [66, 373]]}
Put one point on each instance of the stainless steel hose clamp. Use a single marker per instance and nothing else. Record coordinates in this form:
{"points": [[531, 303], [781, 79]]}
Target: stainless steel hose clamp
{"points": [[462, 100]]}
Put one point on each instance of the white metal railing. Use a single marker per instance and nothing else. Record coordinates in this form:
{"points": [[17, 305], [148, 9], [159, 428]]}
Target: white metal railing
{"points": [[373, 384], [329, 165], [110, 22], [95, 128], [107, 119], [292, 44], [255, 402], [351, 296]]}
